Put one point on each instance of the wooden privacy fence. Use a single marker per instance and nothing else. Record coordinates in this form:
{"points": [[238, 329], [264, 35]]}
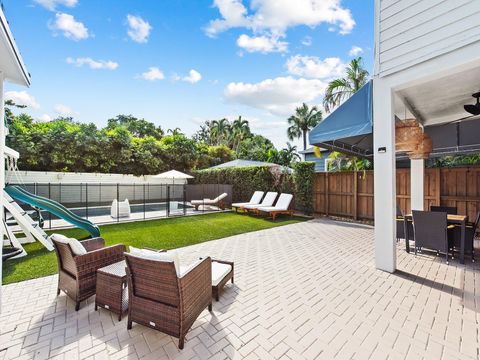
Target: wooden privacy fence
{"points": [[350, 194]]}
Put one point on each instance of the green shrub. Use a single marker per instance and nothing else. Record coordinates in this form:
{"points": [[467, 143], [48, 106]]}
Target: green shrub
{"points": [[304, 177], [247, 180]]}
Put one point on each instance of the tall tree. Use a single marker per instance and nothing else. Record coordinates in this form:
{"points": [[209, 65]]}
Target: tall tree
{"points": [[175, 132], [338, 90], [137, 127], [302, 122], [220, 131], [291, 153], [240, 130]]}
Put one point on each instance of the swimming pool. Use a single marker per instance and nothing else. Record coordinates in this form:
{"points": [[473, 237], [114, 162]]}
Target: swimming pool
{"points": [[175, 206]]}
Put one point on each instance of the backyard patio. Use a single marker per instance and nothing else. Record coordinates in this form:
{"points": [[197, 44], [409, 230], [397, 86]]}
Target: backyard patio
{"points": [[297, 294]]}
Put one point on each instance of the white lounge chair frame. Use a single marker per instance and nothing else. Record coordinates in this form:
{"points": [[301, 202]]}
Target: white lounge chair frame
{"points": [[281, 207], [218, 201], [255, 200], [268, 200]]}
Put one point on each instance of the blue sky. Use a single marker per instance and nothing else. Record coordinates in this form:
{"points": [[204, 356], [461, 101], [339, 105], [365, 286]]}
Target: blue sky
{"points": [[180, 62]]}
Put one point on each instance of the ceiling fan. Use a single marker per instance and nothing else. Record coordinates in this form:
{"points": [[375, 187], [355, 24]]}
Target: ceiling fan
{"points": [[474, 109]]}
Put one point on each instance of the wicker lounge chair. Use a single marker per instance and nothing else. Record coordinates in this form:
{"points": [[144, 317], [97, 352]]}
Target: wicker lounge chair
{"points": [[77, 274], [255, 200], [281, 207], [164, 301], [268, 200], [218, 201]]}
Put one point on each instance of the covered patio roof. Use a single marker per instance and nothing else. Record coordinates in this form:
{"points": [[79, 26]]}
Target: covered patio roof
{"points": [[349, 129], [11, 63]]}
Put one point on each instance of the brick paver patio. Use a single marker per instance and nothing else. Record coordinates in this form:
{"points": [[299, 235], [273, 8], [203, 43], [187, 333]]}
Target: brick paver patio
{"points": [[308, 290]]}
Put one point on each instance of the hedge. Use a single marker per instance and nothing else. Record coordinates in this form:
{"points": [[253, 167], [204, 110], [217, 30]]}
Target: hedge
{"points": [[246, 180], [304, 178]]}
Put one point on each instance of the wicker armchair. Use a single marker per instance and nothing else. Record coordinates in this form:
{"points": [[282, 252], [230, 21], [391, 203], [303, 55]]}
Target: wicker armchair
{"points": [[161, 300], [77, 275]]}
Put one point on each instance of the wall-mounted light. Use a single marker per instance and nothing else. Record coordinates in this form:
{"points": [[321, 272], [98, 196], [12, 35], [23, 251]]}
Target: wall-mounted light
{"points": [[382, 149]]}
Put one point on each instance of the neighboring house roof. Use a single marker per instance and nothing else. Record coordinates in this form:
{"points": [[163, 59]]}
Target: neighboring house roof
{"points": [[242, 163], [11, 63], [310, 150]]}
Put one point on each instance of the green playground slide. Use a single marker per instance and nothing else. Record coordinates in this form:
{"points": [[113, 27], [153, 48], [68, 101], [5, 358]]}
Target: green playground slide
{"points": [[53, 207]]}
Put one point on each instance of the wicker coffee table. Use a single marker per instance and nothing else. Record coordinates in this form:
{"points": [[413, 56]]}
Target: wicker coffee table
{"points": [[112, 292]]}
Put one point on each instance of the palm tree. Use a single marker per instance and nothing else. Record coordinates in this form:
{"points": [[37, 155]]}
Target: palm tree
{"points": [[240, 130], [302, 122], [220, 130], [175, 132], [291, 152], [338, 90]]}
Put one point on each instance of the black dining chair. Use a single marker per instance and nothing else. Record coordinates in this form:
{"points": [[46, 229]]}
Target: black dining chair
{"points": [[401, 225], [470, 231], [450, 210], [431, 231]]}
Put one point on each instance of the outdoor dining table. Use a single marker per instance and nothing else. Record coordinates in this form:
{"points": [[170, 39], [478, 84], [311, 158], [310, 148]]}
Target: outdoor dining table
{"points": [[452, 220]]}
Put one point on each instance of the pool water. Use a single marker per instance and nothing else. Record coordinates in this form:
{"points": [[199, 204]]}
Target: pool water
{"points": [[134, 208]]}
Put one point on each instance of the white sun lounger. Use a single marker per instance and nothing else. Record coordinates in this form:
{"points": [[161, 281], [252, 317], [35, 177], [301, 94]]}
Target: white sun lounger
{"points": [[255, 200], [281, 207], [268, 200], [218, 201]]}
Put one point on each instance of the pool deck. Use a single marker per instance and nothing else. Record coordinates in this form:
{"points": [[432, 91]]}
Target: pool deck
{"points": [[303, 291], [138, 216]]}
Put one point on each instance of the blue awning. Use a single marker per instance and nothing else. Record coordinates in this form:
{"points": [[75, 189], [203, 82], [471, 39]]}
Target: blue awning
{"points": [[349, 128]]}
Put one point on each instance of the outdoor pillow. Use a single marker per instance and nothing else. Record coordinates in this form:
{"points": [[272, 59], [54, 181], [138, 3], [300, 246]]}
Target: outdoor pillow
{"points": [[75, 245], [168, 256]]}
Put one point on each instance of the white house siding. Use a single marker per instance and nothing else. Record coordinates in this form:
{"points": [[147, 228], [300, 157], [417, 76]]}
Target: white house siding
{"points": [[413, 31]]}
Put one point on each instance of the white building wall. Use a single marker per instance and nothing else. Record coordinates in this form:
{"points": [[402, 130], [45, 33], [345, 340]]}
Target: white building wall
{"points": [[45, 177], [413, 31], [2, 174], [74, 189]]}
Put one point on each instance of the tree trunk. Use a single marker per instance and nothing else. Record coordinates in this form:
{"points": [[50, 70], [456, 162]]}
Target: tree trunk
{"points": [[304, 140]]}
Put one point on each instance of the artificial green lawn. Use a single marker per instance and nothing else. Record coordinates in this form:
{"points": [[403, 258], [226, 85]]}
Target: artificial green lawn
{"points": [[158, 234]]}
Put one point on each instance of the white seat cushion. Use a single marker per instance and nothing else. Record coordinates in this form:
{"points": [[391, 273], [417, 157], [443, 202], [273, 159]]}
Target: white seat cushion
{"points": [[219, 271], [75, 245], [167, 256]]}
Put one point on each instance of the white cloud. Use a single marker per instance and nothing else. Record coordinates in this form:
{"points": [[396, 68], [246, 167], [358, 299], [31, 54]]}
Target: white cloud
{"points": [[93, 64], [259, 125], [263, 44], [276, 16], [44, 118], [138, 29], [355, 51], [193, 77], [280, 96], [153, 74], [314, 67], [307, 41], [71, 28], [22, 98], [233, 13], [52, 4], [63, 110]]}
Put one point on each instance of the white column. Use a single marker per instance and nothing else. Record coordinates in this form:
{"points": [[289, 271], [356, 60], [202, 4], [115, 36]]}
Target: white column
{"points": [[416, 183], [384, 176], [2, 175]]}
